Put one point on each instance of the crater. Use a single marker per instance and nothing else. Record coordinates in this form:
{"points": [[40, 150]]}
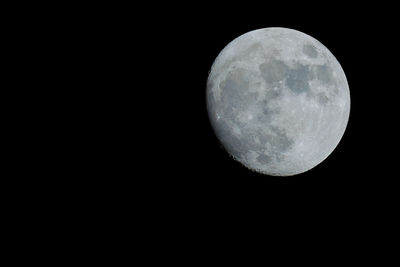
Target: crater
{"points": [[310, 51], [280, 142], [273, 93], [322, 99], [266, 113], [277, 140]]}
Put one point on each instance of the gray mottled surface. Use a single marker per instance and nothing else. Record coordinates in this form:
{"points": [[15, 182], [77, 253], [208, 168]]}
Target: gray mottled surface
{"points": [[278, 101]]}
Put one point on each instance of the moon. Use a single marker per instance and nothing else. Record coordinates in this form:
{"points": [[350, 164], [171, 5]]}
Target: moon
{"points": [[278, 101]]}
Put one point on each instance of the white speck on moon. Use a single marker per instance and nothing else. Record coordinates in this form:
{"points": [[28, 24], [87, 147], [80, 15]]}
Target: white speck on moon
{"points": [[278, 101]]}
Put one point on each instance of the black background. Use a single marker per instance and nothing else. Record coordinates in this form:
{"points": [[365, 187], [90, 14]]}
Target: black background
{"points": [[140, 73], [133, 142]]}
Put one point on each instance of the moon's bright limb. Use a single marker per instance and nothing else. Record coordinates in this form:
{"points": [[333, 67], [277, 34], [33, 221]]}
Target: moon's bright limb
{"points": [[278, 101]]}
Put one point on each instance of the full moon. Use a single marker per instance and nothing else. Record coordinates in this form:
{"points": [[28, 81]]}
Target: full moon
{"points": [[278, 101]]}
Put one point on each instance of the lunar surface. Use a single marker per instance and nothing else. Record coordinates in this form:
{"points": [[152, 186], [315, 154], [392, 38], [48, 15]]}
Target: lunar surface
{"points": [[278, 101]]}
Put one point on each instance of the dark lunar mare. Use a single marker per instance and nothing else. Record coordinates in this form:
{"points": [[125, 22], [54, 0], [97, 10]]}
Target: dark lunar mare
{"points": [[297, 79], [273, 70], [310, 50]]}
